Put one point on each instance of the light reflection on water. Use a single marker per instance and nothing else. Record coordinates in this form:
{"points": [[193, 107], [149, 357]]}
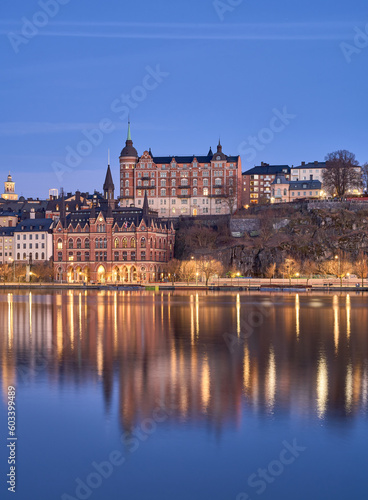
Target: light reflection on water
{"points": [[307, 356]]}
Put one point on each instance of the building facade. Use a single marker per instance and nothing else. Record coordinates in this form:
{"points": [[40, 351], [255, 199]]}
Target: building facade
{"points": [[285, 191], [256, 182], [6, 245], [308, 171], [33, 240], [180, 185], [107, 244]]}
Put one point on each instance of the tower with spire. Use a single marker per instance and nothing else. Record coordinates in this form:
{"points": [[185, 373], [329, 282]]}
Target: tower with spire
{"points": [[128, 161], [9, 189]]}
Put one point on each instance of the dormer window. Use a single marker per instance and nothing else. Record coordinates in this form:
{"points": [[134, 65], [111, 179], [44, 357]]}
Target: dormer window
{"points": [[278, 181]]}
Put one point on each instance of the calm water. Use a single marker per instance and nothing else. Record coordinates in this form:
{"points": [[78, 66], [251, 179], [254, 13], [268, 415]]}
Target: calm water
{"points": [[183, 396]]}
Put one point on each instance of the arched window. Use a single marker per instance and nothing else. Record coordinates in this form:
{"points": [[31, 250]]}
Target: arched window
{"points": [[60, 244], [173, 182], [218, 182], [97, 243], [86, 243], [173, 192], [125, 243], [195, 191], [127, 184], [105, 243], [143, 242], [127, 192], [18, 256], [284, 192], [195, 182], [36, 256], [79, 243], [116, 243], [133, 243], [24, 256], [163, 192], [279, 192], [70, 245], [184, 181]]}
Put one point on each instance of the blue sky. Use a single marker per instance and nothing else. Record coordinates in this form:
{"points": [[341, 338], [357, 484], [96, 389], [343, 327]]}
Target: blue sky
{"points": [[189, 72]]}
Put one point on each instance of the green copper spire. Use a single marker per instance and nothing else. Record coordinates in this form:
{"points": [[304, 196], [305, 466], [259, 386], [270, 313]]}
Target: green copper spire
{"points": [[129, 138]]}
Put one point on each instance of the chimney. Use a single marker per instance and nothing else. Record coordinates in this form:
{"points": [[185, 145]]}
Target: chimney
{"points": [[32, 215], [303, 163], [316, 162]]}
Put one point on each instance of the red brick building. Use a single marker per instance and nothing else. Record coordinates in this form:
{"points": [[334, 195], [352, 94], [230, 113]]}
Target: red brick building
{"points": [[109, 244], [181, 185], [256, 182]]}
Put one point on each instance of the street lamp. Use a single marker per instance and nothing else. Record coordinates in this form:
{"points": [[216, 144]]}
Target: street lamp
{"points": [[297, 276], [238, 274], [339, 268]]}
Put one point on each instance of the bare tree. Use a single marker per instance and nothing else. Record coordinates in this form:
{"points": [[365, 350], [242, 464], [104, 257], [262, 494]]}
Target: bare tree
{"points": [[361, 266], [173, 269], [270, 271], [209, 268], [308, 269], [290, 267], [187, 270], [231, 194], [342, 173]]}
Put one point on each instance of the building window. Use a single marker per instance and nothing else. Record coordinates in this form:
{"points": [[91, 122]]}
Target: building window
{"points": [[79, 256], [143, 255], [79, 243], [143, 242], [70, 245], [132, 255], [163, 192], [60, 244], [173, 182], [133, 243], [60, 256], [205, 191], [116, 256], [195, 191], [116, 243], [125, 256], [86, 243]]}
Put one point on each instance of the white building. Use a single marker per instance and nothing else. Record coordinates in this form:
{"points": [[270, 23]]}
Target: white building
{"points": [[33, 240], [6, 245], [308, 171]]}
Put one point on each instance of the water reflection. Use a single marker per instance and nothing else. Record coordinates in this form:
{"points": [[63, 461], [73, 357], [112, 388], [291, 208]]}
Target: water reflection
{"points": [[308, 354]]}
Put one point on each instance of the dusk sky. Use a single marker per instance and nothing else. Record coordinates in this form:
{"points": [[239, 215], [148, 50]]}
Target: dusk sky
{"points": [[189, 73]]}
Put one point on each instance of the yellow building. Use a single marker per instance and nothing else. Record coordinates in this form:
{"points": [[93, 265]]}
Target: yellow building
{"points": [[9, 189]]}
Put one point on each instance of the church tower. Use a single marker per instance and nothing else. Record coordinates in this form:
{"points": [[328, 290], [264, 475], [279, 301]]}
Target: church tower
{"points": [[9, 189], [128, 161]]}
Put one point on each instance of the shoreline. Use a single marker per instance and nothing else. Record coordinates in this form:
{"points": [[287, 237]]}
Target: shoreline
{"points": [[276, 288]]}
